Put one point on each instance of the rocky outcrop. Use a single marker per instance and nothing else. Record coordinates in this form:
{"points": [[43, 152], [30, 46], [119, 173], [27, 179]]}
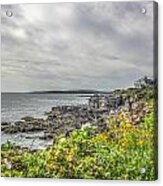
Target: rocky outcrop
{"points": [[65, 119]]}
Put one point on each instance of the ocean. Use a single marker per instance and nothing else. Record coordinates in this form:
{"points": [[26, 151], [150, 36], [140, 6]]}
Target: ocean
{"points": [[14, 106]]}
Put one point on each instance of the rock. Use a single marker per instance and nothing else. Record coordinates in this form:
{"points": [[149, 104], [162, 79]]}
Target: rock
{"points": [[5, 123], [48, 113], [10, 130], [32, 137], [22, 129], [47, 136], [78, 125], [50, 116], [27, 118], [68, 132], [50, 135], [3, 128], [25, 149], [102, 128], [43, 138], [20, 123]]}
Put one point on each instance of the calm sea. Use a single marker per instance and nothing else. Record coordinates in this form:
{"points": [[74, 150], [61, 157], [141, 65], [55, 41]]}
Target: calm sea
{"points": [[14, 106]]}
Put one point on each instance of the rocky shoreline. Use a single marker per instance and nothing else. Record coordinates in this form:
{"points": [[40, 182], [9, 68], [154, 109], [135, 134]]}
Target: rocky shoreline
{"points": [[114, 133], [60, 120], [65, 119]]}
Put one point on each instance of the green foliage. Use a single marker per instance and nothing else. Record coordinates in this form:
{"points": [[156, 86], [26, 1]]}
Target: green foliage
{"points": [[23, 163], [103, 156], [119, 153]]}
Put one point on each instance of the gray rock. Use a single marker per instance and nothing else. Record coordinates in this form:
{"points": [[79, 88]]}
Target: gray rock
{"points": [[5, 123], [27, 118]]}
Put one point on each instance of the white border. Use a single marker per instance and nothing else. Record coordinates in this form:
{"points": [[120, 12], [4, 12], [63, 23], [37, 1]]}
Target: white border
{"points": [[68, 182]]}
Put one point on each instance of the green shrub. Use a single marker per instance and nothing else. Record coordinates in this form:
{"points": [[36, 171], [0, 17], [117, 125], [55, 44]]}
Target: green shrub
{"points": [[120, 153]]}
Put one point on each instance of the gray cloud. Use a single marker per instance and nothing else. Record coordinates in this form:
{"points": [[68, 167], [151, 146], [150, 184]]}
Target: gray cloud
{"points": [[101, 45]]}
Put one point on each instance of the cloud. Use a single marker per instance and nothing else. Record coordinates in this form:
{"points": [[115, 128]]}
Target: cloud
{"points": [[100, 45]]}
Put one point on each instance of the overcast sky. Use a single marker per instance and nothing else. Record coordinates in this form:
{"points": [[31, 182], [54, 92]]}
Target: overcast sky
{"points": [[101, 45]]}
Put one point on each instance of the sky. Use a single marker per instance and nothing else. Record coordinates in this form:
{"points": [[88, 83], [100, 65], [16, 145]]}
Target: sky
{"points": [[67, 46]]}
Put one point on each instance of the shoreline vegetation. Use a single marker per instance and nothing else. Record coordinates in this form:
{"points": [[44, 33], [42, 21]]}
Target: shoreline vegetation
{"points": [[113, 137]]}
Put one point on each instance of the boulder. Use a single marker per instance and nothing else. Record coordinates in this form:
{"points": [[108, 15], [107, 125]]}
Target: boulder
{"points": [[5, 123], [27, 118]]}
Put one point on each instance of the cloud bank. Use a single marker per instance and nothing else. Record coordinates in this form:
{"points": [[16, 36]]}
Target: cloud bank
{"points": [[100, 45]]}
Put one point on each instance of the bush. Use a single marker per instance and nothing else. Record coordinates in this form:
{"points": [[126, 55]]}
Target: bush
{"points": [[120, 153]]}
